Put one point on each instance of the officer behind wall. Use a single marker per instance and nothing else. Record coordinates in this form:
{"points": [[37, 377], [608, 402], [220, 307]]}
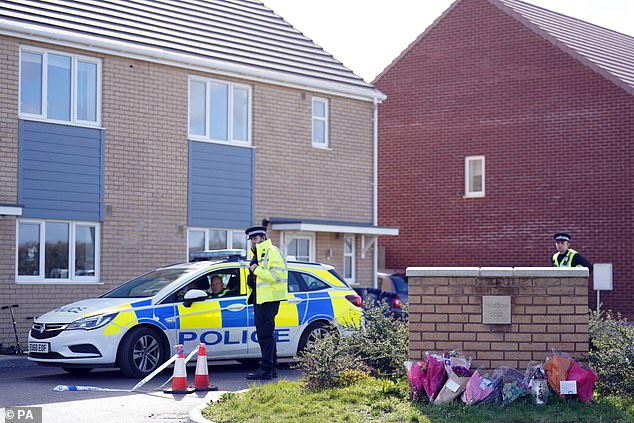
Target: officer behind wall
{"points": [[566, 256], [266, 287]]}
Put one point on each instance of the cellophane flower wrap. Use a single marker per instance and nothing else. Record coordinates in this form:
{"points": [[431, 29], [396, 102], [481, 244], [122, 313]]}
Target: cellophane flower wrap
{"points": [[479, 387], [434, 375], [415, 375], [455, 385], [556, 367], [494, 381], [585, 381], [455, 358], [513, 385]]}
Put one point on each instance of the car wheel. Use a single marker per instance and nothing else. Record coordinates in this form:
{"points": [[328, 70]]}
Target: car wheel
{"points": [[77, 371], [141, 352], [314, 331]]}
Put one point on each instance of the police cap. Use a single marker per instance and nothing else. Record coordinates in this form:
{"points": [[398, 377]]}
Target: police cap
{"points": [[255, 230], [562, 236]]}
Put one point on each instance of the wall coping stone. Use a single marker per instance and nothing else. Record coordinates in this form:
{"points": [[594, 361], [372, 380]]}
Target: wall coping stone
{"points": [[504, 272], [443, 271]]}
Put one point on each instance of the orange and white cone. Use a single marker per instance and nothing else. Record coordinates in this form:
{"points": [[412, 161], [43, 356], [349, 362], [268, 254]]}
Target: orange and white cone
{"points": [[179, 380], [201, 378]]}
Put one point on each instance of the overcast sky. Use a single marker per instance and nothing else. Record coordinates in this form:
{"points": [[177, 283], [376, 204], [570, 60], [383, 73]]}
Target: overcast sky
{"points": [[367, 35]]}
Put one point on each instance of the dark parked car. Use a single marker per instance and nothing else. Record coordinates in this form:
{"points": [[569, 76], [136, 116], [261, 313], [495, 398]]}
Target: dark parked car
{"points": [[392, 291], [395, 283]]}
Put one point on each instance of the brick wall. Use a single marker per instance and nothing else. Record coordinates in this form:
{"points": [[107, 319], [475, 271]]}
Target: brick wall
{"points": [[556, 135], [9, 56], [549, 310], [294, 179]]}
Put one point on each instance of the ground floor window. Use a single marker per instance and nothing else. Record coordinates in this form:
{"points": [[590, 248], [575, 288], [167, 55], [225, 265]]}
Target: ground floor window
{"points": [[57, 251], [201, 239], [348, 258], [299, 247]]}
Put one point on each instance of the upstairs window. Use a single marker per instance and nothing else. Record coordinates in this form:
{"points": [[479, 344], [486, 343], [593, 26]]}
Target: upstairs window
{"points": [[59, 87], [219, 111], [201, 239], [320, 122], [474, 176]]}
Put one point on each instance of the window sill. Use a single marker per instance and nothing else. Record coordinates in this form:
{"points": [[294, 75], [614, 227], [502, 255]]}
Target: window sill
{"points": [[62, 122], [227, 143], [473, 195], [56, 282], [321, 147]]}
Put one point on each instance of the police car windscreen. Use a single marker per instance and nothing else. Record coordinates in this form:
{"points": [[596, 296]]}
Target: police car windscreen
{"points": [[146, 285]]}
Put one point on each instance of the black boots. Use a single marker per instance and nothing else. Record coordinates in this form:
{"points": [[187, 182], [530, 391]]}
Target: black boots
{"points": [[261, 375]]}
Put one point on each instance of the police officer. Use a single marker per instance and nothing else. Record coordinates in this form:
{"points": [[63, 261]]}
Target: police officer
{"points": [[266, 287], [566, 256], [218, 289]]}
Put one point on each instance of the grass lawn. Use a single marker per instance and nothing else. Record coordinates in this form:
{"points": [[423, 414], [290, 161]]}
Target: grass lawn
{"points": [[386, 401]]}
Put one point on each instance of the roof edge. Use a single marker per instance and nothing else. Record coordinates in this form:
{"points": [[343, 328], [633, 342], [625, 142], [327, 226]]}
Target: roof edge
{"points": [[416, 40], [155, 55], [313, 225], [561, 45]]}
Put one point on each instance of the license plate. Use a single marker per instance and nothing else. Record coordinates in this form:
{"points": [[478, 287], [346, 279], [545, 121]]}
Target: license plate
{"points": [[38, 347]]}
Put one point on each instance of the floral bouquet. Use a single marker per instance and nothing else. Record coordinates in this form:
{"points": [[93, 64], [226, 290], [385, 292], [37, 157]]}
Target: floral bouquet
{"points": [[434, 375], [455, 385], [557, 365], [415, 376], [513, 386], [585, 381], [480, 387]]}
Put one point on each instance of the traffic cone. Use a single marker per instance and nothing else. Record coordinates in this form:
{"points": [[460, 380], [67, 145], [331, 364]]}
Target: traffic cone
{"points": [[179, 380], [201, 378]]}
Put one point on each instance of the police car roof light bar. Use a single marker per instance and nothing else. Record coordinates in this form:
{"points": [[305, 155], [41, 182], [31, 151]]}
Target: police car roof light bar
{"points": [[229, 254]]}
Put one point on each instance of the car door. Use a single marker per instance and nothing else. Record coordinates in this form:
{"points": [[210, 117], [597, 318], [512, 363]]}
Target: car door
{"points": [[219, 323]]}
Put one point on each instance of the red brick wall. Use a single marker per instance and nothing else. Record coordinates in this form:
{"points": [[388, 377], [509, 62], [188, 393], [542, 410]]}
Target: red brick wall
{"points": [[549, 311], [556, 135]]}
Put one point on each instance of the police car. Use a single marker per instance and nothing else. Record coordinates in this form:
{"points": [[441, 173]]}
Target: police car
{"points": [[135, 326]]}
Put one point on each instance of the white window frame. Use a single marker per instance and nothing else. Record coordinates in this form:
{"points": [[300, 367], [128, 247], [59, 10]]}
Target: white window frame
{"points": [[324, 119], [72, 278], [469, 176], [286, 237], [352, 255], [229, 232], [230, 85], [75, 58]]}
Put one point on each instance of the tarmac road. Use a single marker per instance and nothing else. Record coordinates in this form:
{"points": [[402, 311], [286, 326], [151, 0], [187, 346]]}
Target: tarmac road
{"points": [[22, 383]]}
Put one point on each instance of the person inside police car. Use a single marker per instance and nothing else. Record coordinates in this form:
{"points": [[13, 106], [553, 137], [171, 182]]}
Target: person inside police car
{"points": [[566, 256], [218, 289], [266, 287]]}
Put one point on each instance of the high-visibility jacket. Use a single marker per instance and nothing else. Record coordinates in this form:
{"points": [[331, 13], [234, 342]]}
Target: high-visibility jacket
{"points": [[220, 294], [271, 281], [566, 261]]}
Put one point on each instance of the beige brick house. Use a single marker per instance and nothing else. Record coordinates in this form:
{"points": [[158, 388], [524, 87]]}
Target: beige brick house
{"points": [[131, 135]]}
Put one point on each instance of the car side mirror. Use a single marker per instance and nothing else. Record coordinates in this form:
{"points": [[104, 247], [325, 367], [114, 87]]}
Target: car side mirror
{"points": [[194, 295]]}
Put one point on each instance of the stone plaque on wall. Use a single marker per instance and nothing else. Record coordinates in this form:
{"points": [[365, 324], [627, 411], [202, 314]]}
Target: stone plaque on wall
{"points": [[496, 310]]}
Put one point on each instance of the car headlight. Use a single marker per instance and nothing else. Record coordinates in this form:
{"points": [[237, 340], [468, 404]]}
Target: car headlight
{"points": [[92, 322]]}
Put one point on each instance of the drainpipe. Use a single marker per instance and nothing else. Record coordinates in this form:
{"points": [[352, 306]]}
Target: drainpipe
{"points": [[376, 189]]}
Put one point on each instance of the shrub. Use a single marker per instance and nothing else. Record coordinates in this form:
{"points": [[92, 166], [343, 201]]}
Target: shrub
{"points": [[379, 347], [323, 362], [382, 342], [612, 352]]}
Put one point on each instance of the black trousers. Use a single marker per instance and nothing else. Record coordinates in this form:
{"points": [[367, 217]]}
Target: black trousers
{"points": [[265, 329]]}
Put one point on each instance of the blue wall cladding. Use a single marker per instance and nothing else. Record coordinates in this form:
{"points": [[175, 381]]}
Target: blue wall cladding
{"points": [[60, 172], [221, 185]]}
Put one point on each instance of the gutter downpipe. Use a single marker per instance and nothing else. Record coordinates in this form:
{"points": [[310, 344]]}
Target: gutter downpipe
{"points": [[376, 190]]}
